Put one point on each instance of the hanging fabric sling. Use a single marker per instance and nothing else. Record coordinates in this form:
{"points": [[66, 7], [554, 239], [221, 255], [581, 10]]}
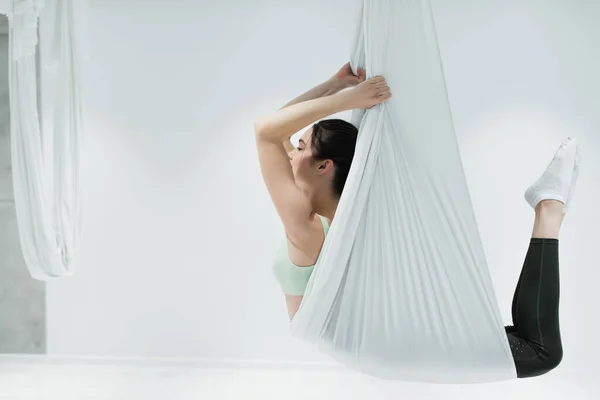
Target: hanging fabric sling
{"points": [[401, 289], [47, 201]]}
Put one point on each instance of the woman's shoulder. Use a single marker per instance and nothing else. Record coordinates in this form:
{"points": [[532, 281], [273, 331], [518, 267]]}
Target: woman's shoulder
{"points": [[311, 242]]}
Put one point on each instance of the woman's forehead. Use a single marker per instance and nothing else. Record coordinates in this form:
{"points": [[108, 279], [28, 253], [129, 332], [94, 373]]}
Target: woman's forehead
{"points": [[306, 135]]}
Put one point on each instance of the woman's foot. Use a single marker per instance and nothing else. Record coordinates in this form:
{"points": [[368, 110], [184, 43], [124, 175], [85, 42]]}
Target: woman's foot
{"points": [[555, 182], [573, 180]]}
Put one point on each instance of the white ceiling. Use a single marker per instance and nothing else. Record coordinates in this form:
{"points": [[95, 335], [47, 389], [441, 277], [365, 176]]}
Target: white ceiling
{"points": [[3, 25]]}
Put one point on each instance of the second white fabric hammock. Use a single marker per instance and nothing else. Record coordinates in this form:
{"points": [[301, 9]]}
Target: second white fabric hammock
{"points": [[48, 203], [401, 289]]}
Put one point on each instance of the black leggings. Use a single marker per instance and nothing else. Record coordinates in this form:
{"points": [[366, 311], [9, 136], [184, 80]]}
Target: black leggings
{"points": [[535, 337]]}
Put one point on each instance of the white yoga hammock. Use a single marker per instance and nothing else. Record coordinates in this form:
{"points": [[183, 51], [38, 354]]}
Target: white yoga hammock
{"points": [[48, 203], [401, 289]]}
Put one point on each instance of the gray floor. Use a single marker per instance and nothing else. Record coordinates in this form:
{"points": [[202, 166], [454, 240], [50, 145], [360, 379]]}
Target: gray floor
{"points": [[22, 299]]}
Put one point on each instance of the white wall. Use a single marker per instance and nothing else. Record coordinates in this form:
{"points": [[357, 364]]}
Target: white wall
{"points": [[179, 231]]}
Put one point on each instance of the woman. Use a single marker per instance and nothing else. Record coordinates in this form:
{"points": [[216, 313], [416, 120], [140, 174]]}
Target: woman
{"points": [[305, 185]]}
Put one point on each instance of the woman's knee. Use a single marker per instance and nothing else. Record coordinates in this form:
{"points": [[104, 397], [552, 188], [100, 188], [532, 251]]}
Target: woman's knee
{"points": [[557, 359], [554, 357]]}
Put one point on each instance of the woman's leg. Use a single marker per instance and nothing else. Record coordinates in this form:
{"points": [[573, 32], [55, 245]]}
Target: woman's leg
{"points": [[535, 337]]}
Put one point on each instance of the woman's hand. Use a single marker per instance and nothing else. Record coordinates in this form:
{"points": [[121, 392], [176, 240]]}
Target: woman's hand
{"points": [[345, 78], [366, 94]]}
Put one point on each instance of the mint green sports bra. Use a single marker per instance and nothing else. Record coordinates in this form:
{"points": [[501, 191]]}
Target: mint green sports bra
{"points": [[292, 279]]}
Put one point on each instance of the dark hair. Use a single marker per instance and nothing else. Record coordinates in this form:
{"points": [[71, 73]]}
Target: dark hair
{"points": [[335, 139]]}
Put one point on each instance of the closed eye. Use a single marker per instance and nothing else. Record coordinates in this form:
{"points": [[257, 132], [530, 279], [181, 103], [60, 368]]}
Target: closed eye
{"points": [[301, 143]]}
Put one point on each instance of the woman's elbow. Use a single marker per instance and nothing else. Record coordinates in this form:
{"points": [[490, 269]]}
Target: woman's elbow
{"points": [[260, 127], [264, 131]]}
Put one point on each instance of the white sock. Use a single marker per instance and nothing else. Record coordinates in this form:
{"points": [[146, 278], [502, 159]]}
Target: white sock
{"points": [[555, 182], [573, 180]]}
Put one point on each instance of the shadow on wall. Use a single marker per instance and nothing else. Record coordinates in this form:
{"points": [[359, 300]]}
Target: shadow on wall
{"points": [[22, 299]]}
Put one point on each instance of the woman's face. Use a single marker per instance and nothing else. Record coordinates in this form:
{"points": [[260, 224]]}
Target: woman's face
{"points": [[302, 161]]}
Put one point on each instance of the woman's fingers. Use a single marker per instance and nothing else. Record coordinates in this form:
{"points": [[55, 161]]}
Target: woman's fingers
{"points": [[383, 90], [380, 85], [374, 91]]}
